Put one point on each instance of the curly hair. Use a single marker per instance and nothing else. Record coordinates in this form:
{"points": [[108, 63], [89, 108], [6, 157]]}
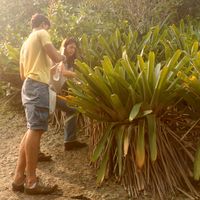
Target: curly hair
{"points": [[38, 19]]}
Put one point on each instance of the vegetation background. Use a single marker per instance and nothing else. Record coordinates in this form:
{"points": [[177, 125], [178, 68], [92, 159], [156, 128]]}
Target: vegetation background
{"points": [[130, 42]]}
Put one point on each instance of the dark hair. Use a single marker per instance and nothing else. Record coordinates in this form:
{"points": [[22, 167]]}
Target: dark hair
{"points": [[65, 43], [38, 19]]}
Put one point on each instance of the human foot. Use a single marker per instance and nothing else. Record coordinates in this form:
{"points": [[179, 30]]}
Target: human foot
{"points": [[18, 184]]}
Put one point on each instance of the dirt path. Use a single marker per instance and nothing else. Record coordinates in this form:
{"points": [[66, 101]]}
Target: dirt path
{"points": [[70, 170]]}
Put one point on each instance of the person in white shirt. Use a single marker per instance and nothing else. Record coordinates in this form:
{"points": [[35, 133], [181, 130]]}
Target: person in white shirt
{"points": [[59, 75]]}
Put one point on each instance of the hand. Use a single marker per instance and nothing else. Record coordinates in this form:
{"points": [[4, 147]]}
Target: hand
{"points": [[57, 66], [61, 67], [64, 58], [68, 73], [53, 69]]}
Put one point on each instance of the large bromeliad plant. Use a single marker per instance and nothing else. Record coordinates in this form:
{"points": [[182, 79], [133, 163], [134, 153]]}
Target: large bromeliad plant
{"points": [[134, 102]]}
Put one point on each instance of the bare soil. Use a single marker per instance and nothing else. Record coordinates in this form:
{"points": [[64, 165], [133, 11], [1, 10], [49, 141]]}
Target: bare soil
{"points": [[70, 170]]}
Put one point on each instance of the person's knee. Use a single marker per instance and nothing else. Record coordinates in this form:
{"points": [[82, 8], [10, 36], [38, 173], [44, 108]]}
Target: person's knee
{"points": [[36, 132]]}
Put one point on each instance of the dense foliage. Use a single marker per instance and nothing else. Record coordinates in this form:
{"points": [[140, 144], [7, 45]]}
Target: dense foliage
{"points": [[135, 94], [138, 80], [89, 16]]}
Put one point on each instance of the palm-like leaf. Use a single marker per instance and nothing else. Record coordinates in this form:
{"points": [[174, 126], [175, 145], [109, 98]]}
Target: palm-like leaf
{"points": [[135, 87]]}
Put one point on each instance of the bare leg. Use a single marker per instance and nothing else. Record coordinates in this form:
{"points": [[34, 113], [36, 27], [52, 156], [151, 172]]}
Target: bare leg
{"points": [[32, 146], [21, 163]]}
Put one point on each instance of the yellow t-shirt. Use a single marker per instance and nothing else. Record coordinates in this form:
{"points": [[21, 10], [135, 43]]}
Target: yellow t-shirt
{"points": [[36, 62]]}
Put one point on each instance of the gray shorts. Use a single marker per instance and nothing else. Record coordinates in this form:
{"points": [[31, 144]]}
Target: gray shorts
{"points": [[35, 99]]}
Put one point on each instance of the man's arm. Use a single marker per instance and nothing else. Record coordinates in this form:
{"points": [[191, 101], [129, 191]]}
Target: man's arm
{"points": [[53, 53], [22, 72]]}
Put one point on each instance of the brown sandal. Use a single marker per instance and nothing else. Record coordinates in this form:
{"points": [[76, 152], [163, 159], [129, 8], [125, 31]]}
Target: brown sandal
{"points": [[40, 189], [17, 188]]}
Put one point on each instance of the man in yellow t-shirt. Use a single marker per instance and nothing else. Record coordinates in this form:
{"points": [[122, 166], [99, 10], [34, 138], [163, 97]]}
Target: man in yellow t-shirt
{"points": [[35, 58]]}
